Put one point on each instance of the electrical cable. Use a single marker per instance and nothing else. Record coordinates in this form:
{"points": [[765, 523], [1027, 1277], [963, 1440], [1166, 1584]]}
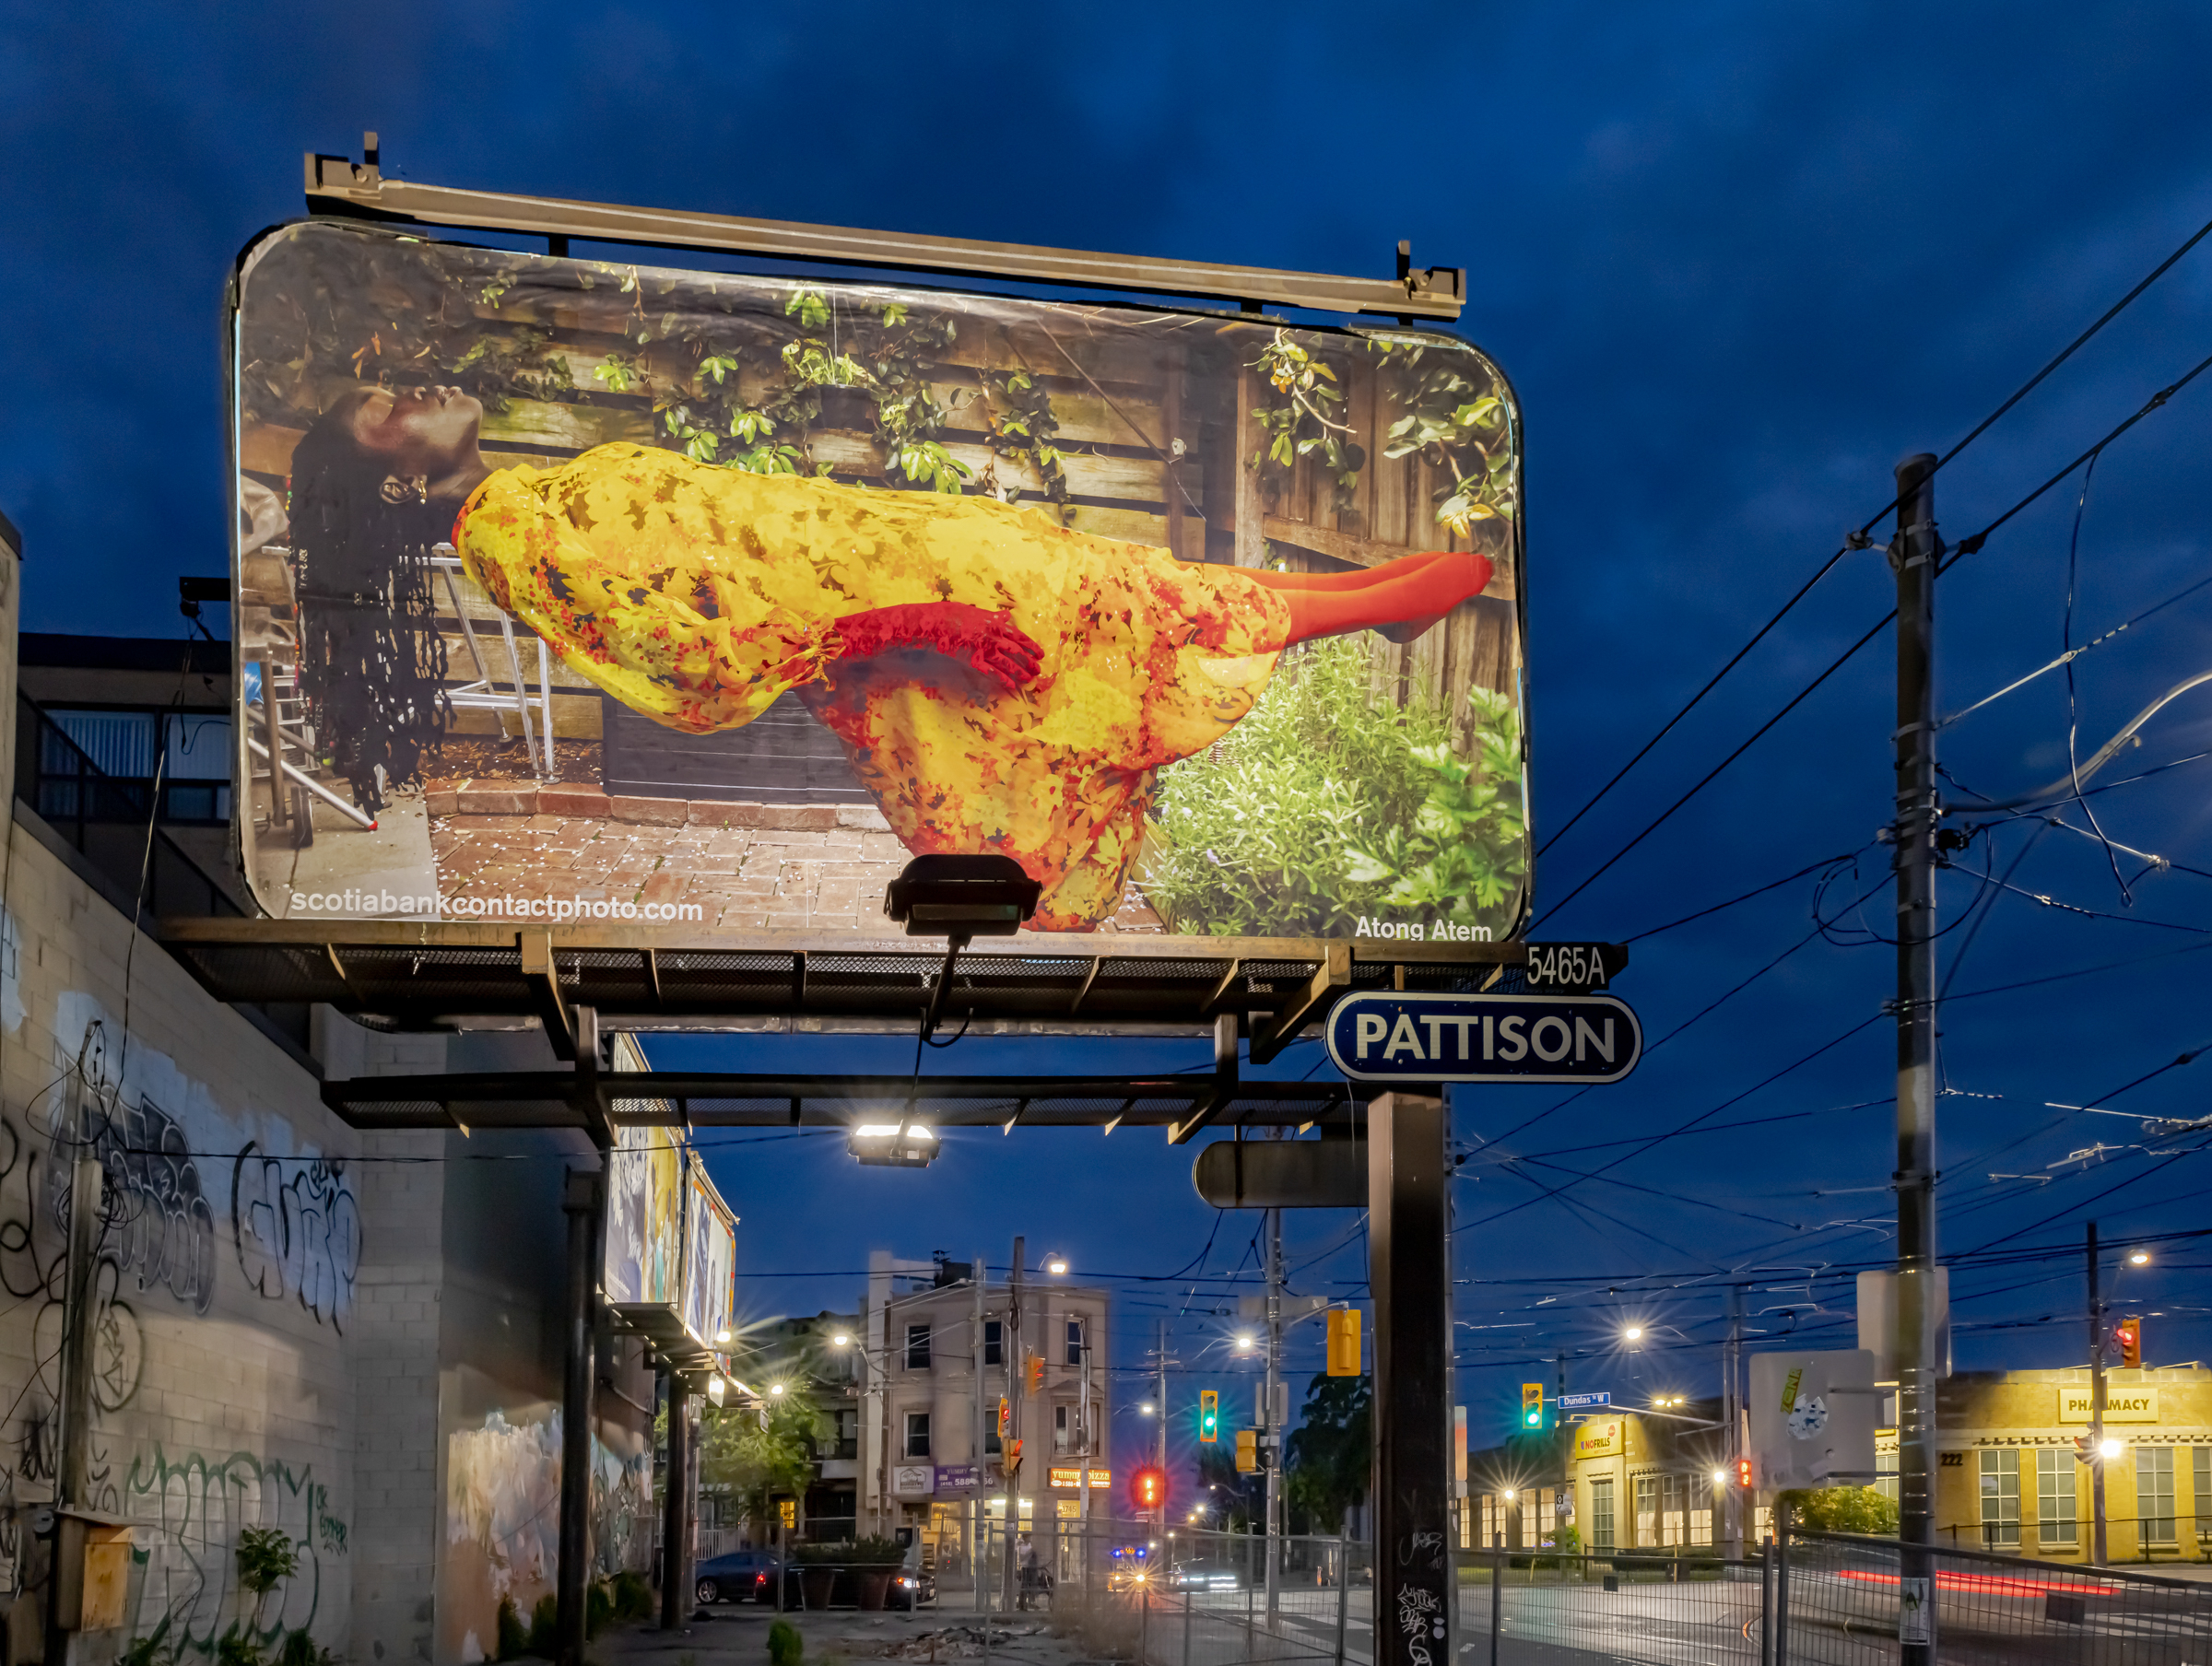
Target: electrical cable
{"points": [[1810, 867], [2065, 788], [1980, 428], [2073, 653]]}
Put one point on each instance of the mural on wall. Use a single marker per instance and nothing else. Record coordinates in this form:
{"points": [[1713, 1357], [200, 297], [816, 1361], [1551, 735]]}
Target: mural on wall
{"points": [[503, 1516], [298, 1231]]}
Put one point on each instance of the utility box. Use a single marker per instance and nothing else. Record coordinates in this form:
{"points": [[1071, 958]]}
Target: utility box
{"points": [[92, 1570], [1878, 1321]]}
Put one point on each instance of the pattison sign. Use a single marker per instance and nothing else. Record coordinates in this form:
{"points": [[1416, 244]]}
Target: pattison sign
{"points": [[2131, 1403]]}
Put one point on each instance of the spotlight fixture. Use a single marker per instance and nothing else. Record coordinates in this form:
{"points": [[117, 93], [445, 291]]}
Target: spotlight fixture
{"points": [[892, 1144]]}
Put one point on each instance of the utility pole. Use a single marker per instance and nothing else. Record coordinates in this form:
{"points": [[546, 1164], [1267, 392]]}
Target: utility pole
{"points": [[1159, 1437], [976, 1514], [1732, 1443], [1087, 1444], [1017, 1372], [1271, 1432], [86, 1222], [1915, 556], [2096, 1542]]}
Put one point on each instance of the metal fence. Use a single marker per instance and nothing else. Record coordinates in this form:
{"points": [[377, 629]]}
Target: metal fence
{"points": [[1842, 1599]]}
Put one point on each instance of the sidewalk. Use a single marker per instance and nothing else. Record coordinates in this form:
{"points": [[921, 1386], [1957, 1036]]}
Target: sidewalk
{"points": [[738, 1633]]}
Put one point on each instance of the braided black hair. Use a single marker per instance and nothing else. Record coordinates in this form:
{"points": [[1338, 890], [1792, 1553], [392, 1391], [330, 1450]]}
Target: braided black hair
{"points": [[371, 659]]}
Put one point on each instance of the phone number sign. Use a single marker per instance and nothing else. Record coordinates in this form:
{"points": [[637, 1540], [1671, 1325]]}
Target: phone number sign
{"points": [[1410, 1037]]}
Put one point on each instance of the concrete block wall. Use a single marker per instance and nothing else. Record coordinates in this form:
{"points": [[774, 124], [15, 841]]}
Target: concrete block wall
{"points": [[228, 1293]]}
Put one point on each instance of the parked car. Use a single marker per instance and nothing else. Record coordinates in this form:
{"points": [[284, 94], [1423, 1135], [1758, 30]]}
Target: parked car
{"points": [[739, 1576]]}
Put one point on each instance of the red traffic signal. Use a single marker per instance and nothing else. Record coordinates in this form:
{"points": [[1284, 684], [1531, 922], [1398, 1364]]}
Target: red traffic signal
{"points": [[2128, 1334], [1149, 1488], [1743, 1472]]}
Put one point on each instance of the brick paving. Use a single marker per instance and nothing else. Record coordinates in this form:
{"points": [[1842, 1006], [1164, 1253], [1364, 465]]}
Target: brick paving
{"points": [[743, 878]]}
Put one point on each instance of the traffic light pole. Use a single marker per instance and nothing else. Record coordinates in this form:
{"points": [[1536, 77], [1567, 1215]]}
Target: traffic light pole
{"points": [[1915, 556], [979, 1515], [2097, 1538], [1017, 1350], [1271, 1438], [1160, 1453], [1732, 1443]]}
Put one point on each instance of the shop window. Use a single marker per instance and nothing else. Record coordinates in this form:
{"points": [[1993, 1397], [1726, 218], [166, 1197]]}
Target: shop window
{"points": [[917, 1434], [917, 1347], [1601, 1517], [2000, 1499], [1646, 1533], [2057, 1506], [994, 1343], [2200, 1474], [2154, 1494], [1884, 1468]]}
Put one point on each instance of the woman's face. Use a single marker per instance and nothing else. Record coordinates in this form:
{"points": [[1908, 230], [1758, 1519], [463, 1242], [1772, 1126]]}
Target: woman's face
{"points": [[428, 432]]}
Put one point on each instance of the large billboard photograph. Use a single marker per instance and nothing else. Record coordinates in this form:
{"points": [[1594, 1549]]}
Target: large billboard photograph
{"points": [[572, 590]]}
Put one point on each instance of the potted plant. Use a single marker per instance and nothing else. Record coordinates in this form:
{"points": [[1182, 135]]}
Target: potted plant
{"points": [[873, 1561], [818, 1565]]}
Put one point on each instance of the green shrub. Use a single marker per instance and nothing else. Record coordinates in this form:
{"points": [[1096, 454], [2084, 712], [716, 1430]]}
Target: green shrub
{"points": [[1842, 1509], [1326, 804], [153, 1649], [300, 1649], [239, 1647], [633, 1596], [545, 1628], [598, 1606], [513, 1640], [877, 1551], [786, 1648]]}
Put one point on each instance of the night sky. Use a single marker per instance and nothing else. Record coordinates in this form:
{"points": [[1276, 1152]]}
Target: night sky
{"points": [[1739, 259]]}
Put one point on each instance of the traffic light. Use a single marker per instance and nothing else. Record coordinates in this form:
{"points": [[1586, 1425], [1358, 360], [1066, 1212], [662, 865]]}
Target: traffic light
{"points": [[1248, 1451], [2128, 1334], [1532, 1405], [1344, 1342], [1149, 1488], [1743, 1472], [1013, 1456], [1036, 1372], [1209, 1415], [1006, 1417]]}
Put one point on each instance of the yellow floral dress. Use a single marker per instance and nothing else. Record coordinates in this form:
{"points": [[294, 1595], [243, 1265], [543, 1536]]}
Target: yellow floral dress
{"points": [[697, 595]]}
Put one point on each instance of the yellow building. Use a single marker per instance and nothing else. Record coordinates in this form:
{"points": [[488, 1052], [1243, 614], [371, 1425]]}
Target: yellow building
{"points": [[2010, 1478], [1650, 1482]]}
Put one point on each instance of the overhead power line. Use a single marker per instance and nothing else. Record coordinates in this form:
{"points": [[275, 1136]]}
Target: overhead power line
{"points": [[1827, 565]]}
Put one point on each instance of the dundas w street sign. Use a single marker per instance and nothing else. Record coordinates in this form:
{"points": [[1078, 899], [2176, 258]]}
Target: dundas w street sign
{"points": [[1408, 1038]]}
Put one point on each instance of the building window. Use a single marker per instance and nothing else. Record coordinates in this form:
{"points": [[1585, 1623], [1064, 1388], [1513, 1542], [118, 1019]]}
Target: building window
{"points": [[2200, 1472], [917, 1347], [1075, 1341], [848, 1435], [2000, 1498], [102, 766], [991, 1438], [1646, 1529], [2154, 1493], [1601, 1517], [994, 1343], [1063, 1430], [1885, 1467], [2057, 1511], [917, 1434]]}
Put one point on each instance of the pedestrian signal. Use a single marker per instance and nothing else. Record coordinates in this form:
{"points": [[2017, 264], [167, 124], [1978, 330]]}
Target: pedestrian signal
{"points": [[1532, 1405], [787, 1511], [1006, 1417], [1344, 1342], [1248, 1451], [1743, 1472], [1149, 1488], [1209, 1415], [2128, 1334]]}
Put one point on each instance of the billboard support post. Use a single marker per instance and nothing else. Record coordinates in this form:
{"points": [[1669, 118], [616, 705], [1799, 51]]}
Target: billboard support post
{"points": [[1409, 1273], [581, 1201], [1915, 556]]}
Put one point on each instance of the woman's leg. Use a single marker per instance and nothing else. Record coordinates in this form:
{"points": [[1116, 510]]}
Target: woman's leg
{"points": [[1414, 590]]}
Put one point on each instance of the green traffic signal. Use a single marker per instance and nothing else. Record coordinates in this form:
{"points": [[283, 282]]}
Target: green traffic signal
{"points": [[1209, 1415]]}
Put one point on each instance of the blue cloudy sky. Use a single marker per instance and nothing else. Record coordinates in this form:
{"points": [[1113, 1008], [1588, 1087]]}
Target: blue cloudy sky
{"points": [[1739, 259]]}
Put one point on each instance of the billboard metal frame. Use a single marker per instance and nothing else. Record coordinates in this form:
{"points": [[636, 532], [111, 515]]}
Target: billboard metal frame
{"points": [[341, 186]]}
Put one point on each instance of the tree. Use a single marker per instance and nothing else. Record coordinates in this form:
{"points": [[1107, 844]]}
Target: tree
{"points": [[756, 1455], [1238, 1497], [1330, 1457]]}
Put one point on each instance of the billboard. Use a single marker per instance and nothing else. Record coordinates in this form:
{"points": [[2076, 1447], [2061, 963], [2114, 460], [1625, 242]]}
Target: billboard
{"points": [[572, 590], [644, 1218], [710, 1259]]}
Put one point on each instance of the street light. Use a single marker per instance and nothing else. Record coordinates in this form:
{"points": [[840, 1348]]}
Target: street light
{"points": [[2141, 1258], [722, 1336], [893, 1145], [2109, 1448], [1145, 1409], [775, 1389], [1055, 1265], [840, 1341], [1719, 1477], [1634, 1333], [1244, 1341]]}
